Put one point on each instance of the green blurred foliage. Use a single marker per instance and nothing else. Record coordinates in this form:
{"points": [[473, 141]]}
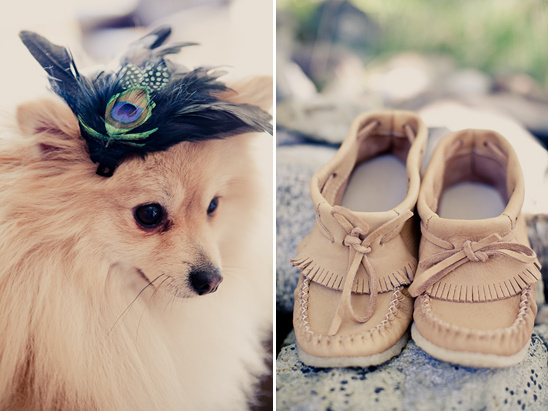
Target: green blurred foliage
{"points": [[498, 36]]}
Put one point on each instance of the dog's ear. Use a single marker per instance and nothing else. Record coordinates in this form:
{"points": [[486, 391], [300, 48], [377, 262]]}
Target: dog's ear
{"points": [[257, 91], [53, 126]]}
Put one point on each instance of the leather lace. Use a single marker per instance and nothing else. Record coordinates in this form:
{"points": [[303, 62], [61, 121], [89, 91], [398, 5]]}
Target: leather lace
{"points": [[358, 251], [439, 265]]}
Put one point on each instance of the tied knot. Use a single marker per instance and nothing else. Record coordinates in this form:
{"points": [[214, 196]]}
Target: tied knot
{"points": [[353, 240], [472, 255], [358, 251], [439, 265]]}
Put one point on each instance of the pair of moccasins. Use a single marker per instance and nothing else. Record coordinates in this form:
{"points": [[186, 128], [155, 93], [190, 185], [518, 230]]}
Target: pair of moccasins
{"points": [[468, 285]]}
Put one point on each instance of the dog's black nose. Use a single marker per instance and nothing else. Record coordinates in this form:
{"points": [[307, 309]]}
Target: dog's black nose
{"points": [[205, 281]]}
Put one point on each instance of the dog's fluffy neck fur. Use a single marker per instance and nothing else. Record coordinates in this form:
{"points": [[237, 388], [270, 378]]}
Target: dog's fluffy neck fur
{"points": [[55, 372], [64, 347]]}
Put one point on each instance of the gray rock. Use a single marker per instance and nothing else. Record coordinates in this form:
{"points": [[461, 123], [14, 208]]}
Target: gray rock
{"points": [[468, 82], [323, 119], [415, 381], [537, 230], [292, 83], [295, 213]]}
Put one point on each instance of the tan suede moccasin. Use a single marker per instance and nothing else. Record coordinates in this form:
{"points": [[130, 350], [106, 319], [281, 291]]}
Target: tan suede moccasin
{"points": [[352, 307], [475, 284]]}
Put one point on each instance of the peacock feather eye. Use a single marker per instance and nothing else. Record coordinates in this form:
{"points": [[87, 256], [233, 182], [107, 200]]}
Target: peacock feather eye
{"points": [[128, 110]]}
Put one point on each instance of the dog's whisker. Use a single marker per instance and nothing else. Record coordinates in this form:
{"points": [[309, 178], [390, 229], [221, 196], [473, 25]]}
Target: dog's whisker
{"points": [[151, 297], [132, 302], [139, 323], [159, 285]]}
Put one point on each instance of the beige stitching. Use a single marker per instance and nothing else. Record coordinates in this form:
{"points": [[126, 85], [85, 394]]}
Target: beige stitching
{"points": [[388, 318], [519, 322]]}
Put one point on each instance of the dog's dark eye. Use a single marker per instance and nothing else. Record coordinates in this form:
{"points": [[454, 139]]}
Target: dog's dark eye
{"points": [[213, 206], [149, 215]]}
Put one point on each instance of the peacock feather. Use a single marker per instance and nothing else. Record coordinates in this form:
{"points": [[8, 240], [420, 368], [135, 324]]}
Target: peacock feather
{"points": [[148, 104]]}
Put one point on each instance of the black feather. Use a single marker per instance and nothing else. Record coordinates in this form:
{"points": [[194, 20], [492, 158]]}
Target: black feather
{"points": [[56, 60], [160, 35], [183, 106]]}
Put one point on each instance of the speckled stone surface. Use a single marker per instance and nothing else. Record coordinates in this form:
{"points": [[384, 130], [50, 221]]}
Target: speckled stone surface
{"points": [[295, 214], [414, 381]]}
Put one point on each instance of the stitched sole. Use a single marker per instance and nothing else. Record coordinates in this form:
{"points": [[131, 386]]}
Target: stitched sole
{"points": [[466, 358], [331, 362]]}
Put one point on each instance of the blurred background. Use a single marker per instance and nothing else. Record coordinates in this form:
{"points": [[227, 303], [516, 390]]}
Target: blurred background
{"points": [[409, 53]]}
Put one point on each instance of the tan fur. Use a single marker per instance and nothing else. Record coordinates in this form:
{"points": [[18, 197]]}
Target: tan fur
{"points": [[73, 334]]}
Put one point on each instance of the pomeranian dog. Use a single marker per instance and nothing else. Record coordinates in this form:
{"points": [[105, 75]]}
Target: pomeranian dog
{"points": [[146, 288]]}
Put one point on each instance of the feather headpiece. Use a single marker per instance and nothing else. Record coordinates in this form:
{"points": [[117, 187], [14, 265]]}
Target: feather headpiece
{"points": [[148, 104]]}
